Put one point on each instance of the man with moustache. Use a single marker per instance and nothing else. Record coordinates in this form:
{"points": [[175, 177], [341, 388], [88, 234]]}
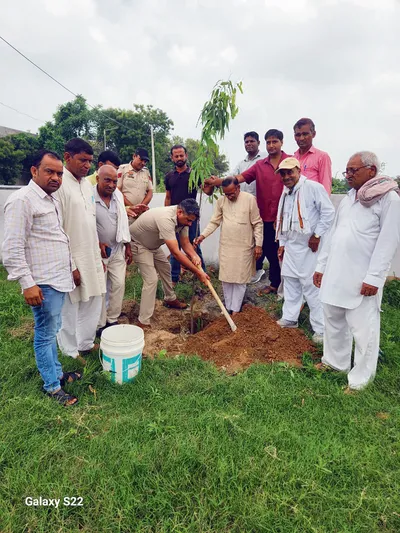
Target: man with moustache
{"points": [[114, 240], [352, 269], [134, 181], [36, 252], [177, 189], [82, 307], [315, 164], [252, 147], [268, 192], [305, 214]]}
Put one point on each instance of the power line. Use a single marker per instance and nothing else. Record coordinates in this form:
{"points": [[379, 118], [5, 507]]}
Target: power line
{"points": [[22, 113], [56, 81]]}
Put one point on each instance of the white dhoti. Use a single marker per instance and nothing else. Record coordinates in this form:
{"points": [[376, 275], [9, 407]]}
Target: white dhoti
{"points": [[233, 295], [294, 289], [362, 324], [115, 281], [79, 323]]}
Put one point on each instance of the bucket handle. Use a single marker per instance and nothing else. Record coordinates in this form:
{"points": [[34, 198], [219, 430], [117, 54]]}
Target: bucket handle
{"points": [[101, 362]]}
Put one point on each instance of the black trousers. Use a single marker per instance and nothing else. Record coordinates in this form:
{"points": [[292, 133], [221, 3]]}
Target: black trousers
{"points": [[270, 251]]}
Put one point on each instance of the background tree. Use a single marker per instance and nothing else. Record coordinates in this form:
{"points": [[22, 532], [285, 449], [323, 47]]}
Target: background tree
{"points": [[10, 162]]}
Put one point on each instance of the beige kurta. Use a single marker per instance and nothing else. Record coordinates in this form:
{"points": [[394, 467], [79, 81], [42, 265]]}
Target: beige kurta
{"points": [[241, 230], [79, 223]]}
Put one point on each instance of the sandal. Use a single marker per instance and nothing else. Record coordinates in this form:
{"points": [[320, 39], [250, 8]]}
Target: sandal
{"points": [[323, 367], [268, 290], [65, 399], [70, 377]]}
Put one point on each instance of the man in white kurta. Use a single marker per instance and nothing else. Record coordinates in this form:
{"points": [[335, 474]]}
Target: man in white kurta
{"points": [[240, 242], [82, 307], [352, 268], [305, 214]]}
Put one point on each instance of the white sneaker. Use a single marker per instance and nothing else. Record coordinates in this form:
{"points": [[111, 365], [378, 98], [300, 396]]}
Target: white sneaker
{"points": [[287, 323], [318, 338], [257, 276]]}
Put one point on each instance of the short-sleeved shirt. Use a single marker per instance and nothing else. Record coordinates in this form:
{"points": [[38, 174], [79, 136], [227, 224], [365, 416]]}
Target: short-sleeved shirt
{"points": [[245, 164], [106, 220], [156, 226], [134, 184], [268, 187], [178, 185], [316, 166]]}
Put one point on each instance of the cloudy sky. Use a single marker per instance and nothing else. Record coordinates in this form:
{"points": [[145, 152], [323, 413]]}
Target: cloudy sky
{"points": [[336, 61]]}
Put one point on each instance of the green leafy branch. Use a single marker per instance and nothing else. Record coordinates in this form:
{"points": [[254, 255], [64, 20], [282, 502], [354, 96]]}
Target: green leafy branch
{"points": [[215, 117]]}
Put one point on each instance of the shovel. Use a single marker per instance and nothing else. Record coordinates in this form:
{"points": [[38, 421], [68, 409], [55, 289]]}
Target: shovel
{"points": [[221, 305]]}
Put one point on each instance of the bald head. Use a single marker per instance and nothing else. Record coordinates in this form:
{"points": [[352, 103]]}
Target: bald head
{"points": [[106, 180]]}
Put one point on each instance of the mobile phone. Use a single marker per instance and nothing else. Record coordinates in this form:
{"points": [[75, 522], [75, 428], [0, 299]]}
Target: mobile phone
{"points": [[108, 251]]}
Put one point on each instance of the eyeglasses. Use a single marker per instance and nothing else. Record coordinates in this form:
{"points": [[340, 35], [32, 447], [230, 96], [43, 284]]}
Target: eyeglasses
{"points": [[352, 171]]}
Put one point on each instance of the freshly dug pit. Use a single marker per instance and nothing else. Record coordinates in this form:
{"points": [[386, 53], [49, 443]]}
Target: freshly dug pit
{"points": [[258, 338]]}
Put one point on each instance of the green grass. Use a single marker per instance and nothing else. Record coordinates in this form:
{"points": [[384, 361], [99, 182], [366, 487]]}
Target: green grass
{"points": [[188, 449]]}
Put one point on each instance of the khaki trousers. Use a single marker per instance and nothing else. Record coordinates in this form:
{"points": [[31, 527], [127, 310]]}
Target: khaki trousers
{"points": [[115, 282], [151, 263]]}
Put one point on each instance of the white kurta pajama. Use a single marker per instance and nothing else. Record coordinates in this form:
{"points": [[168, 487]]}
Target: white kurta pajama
{"points": [[359, 249], [301, 213], [82, 307], [241, 230]]}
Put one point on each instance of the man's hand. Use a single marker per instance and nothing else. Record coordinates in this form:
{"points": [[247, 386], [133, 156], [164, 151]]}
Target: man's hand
{"points": [[368, 290], [317, 279], [77, 277], [103, 247], [203, 277], [281, 252], [33, 295], [313, 243], [198, 240], [258, 252], [195, 259], [128, 253], [135, 210], [213, 181]]}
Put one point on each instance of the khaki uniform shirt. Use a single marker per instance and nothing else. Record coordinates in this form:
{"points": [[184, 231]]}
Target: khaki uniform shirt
{"points": [[156, 226], [134, 184]]}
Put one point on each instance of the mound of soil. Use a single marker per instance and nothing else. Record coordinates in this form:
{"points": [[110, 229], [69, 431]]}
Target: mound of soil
{"points": [[257, 339]]}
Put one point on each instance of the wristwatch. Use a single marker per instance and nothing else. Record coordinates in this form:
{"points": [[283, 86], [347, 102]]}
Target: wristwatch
{"points": [[317, 236]]}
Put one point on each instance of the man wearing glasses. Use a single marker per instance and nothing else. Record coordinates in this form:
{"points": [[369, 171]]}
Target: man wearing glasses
{"points": [[315, 164], [352, 269]]}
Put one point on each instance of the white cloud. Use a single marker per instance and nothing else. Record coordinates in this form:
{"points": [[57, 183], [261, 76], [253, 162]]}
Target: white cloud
{"points": [[229, 54], [333, 60], [182, 55], [97, 35]]}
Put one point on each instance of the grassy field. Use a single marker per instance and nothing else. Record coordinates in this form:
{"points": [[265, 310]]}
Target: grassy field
{"points": [[188, 449]]}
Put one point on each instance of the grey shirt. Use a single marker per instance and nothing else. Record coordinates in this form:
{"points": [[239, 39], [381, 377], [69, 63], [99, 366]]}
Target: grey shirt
{"points": [[245, 164], [107, 221], [156, 226]]}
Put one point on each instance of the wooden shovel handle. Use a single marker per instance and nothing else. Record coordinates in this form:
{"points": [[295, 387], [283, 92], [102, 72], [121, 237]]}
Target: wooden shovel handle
{"points": [[221, 305]]}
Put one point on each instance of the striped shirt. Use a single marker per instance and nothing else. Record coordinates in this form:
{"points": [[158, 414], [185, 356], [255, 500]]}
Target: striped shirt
{"points": [[36, 249]]}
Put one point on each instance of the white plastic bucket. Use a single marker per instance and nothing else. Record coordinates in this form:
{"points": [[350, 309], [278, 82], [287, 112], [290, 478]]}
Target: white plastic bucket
{"points": [[121, 347]]}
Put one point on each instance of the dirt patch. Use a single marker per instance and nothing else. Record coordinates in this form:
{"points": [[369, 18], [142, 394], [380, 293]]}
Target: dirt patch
{"points": [[257, 339]]}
